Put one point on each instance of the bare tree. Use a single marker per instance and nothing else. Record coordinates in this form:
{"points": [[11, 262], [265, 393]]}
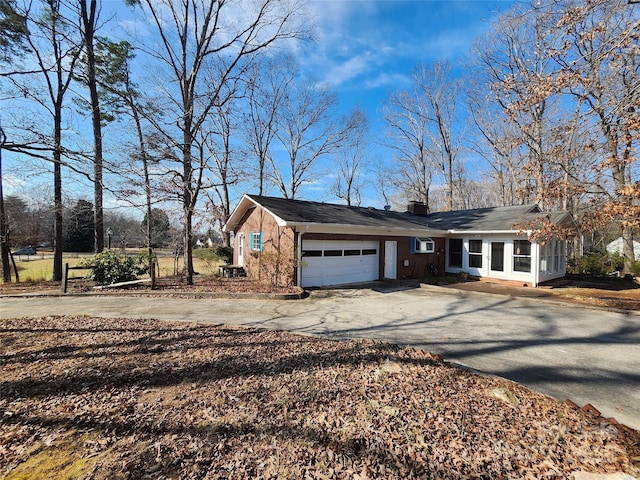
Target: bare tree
{"points": [[441, 92], [267, 88], [517, 125], [351, 158], [308, 131], [407, 134], [600, 68], [225, 171], [54, 51], [193, 33], [562, 83]]}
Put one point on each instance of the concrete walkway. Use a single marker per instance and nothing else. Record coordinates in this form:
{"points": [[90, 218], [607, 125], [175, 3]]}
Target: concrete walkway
{"points": [[586, 355]]}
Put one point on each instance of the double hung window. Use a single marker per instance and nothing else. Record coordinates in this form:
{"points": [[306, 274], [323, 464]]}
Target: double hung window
{"points": [[255, 242], [521, 256], [475, 253]]}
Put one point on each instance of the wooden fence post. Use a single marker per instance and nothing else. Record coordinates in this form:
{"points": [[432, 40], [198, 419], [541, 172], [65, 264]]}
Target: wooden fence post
{"points": [[65, 277]]}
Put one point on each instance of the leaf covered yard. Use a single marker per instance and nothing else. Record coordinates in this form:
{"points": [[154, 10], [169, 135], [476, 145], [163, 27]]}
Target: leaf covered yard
{"points": [[85, 397]]}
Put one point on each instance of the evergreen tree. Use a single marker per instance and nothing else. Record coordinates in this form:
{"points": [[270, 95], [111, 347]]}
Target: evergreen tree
{"points": [[80, 228]]}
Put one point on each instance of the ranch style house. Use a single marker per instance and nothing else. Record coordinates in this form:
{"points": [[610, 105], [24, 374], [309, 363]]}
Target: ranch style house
{"points": [[330, 244]]}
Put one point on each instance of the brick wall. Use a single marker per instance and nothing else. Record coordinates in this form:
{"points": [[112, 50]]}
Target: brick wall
{"points": [[274, 263]]}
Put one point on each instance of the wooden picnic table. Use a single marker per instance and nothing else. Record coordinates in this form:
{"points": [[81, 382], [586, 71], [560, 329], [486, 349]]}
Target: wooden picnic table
{"points": [[232, 271]]}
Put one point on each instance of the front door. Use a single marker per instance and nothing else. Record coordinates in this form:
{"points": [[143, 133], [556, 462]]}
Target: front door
{"points": [[241, 249], [390, 260], [497, 256]]}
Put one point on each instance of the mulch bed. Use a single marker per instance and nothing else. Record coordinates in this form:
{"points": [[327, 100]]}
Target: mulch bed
{"points": [[164, 285], [84, 397]]}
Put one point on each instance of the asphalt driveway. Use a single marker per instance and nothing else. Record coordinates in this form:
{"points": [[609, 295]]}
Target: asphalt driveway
{"points": [[586, 355]]}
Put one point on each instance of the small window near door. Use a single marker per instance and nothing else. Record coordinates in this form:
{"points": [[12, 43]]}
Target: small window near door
{"points": [[424, 245], [255, 241], [475, 253], [455, 252], [521, 256]]}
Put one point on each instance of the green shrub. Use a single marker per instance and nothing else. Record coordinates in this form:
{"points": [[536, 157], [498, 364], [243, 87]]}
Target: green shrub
{"points": [[224, 253], [208, 257], [108, 267], [598, 264], [206, 254]]}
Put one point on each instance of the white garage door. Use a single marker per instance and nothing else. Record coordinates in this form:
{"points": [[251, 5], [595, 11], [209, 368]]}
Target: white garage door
{"points": [[334, 262]]}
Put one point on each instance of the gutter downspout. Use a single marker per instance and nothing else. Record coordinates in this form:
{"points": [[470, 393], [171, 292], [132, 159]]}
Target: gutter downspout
{"points": [[299, 257], [535, 262]]}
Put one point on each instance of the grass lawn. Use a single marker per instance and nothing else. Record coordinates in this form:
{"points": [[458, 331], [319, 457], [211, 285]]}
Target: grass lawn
{"points": [[84, 397], [39, 267]]}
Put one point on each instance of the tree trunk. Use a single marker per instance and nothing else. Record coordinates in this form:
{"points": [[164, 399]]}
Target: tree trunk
{"points": [[57, 193], [188, 245], [188, 202], [88, 21], [147, 191], [627, 249], [4, 234]]}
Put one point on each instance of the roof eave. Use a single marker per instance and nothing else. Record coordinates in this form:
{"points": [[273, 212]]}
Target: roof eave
{"points": [[311, 227], [243, 206], [488, 232]]}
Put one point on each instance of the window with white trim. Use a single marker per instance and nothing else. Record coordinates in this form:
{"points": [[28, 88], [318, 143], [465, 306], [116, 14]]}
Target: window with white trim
{"points": [[240, 245], [424, 245], [255, 241], [545, 257], [455, 252], [559, 256], [475, 253], [521, 256]]}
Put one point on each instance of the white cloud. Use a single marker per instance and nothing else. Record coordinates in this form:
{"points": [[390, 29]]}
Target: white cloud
{"points": [[12, 184], [388, 79]]}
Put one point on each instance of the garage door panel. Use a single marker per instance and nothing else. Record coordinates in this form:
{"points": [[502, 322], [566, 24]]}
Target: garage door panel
{"points": [[334, 267]]}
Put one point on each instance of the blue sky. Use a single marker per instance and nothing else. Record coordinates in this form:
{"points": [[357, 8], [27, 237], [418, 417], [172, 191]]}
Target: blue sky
{"points": [[365, 50]]}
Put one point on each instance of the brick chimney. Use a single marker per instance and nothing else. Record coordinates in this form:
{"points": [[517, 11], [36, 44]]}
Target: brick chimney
{"points": [[417, 208]]}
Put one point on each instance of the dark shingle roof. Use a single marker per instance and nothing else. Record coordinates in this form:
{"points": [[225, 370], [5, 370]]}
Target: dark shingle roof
{"points": [[303, 211], [484, 219], [480, 219]]}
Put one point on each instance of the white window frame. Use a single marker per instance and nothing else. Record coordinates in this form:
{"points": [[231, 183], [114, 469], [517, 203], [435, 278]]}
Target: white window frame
{"points": [[518, 255], [241, 245], [475, 254], [255, 242], [425, 245]]}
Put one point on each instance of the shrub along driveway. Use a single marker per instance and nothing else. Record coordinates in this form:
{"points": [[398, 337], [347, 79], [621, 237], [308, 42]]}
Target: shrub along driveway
{"points": [[586, 355]]}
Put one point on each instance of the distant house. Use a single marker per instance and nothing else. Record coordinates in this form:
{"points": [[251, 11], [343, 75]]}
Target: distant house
{"points": [[203, 242], [616, 247], [339, 244]]}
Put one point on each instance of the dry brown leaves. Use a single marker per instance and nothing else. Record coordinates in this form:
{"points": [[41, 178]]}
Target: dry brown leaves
{"points": [[84, 397], [166, 286]]}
